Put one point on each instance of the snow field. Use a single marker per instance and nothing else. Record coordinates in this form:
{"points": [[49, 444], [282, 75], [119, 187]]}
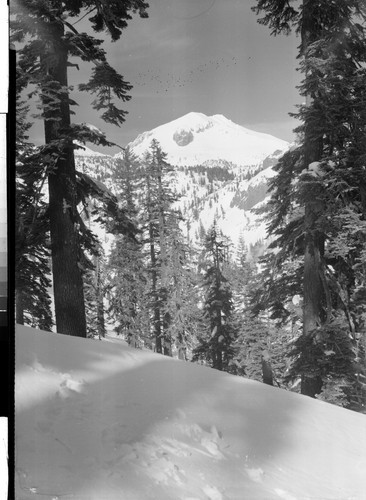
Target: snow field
{"points": [[99, 420]]}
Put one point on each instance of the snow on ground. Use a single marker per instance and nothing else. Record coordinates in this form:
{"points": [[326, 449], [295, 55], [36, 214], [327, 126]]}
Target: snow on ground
{"points": [[98, 420]]}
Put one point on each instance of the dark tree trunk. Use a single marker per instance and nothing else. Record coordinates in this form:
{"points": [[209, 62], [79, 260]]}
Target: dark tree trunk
{"points": [[156, 308], [154, 274], [19, 307], [267, 373], [67, 278], [312, 284], [100, 318], [157, 330], [166, 323], [217, 364], [100, 305], [311, 386], [217, 360]]}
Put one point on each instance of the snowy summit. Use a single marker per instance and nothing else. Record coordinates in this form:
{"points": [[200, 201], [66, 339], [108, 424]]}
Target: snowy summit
{"points": [[195, 139]]}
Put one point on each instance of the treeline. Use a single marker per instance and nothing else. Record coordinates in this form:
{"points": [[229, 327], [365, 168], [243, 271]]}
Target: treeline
{"points": [[213, 173], [297, 318], [207, 304]]}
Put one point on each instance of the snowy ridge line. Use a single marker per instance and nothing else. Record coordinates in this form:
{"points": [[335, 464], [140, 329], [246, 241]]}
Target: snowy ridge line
{"points": [[195, 139]]}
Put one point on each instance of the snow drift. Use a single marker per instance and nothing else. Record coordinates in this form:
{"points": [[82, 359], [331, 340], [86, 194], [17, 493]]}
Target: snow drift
{"points": [[99, 420]]}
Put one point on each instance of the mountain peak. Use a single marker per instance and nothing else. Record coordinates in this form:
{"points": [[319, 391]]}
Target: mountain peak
{"points": [[195, 139]]}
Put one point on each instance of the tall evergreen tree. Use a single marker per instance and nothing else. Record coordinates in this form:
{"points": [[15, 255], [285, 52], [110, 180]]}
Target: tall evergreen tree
{"points": [[32, 269], [48, 41], [181, 305], [216, 344], [316, 187], [159, 214], [94, 292], [127, 267]]}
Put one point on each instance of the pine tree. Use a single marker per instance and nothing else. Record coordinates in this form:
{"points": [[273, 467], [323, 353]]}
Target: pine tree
{"points": [[257, 338], [94, 292], [32, 270], [216, 344], [159, 216], [182, 300], [49, 40], [127, 267], [316, 186]]}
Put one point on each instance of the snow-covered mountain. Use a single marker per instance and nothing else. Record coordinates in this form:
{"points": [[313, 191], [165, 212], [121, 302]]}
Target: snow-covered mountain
{"points": [[222, 172], [197, 139], [103, 421], [231, 203]]}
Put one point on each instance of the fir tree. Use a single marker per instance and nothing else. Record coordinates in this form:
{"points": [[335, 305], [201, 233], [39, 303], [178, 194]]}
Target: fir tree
{"points": [[159, 216], [94, 291], [32, 270], [257, 339], [216, 344], [182, 301], [127, 268], [49, 40], [316, 186]]}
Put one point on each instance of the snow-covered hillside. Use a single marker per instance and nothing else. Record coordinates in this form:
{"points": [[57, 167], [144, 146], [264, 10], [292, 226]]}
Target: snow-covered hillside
{"points": [[231, 204], [197, 139], [99, 420]]}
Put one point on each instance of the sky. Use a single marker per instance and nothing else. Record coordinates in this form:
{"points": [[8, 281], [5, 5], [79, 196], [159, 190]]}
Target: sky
{"points": [[208, 56]]}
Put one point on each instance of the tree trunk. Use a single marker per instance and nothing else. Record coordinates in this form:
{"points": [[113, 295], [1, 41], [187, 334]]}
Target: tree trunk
{"points": [[99, 299], [67, 278], [267, 373], [100, 317], [154, 274], [19, 307], [217, 361], [312, 285], [156, 308], [166, 340]]}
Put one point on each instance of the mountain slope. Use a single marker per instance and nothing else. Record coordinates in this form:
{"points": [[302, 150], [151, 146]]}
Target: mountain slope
{"points": [[230, 203], [196, 139], [222, 173], [99, 420]]}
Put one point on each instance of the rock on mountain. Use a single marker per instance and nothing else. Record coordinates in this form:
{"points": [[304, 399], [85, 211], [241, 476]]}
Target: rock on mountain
{"points": [[197, 139]]}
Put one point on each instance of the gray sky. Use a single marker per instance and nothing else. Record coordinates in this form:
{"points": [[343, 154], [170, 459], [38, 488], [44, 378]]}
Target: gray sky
{"points": [[209, 56]]}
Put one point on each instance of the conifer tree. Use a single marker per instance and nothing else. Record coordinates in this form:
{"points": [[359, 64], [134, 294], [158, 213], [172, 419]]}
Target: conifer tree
{"points": [[258, 341], [127, 268], [181, 305], [316, 186], [159, 214], [95, 291], [216, 344], [32, 270], [49, 39]]}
